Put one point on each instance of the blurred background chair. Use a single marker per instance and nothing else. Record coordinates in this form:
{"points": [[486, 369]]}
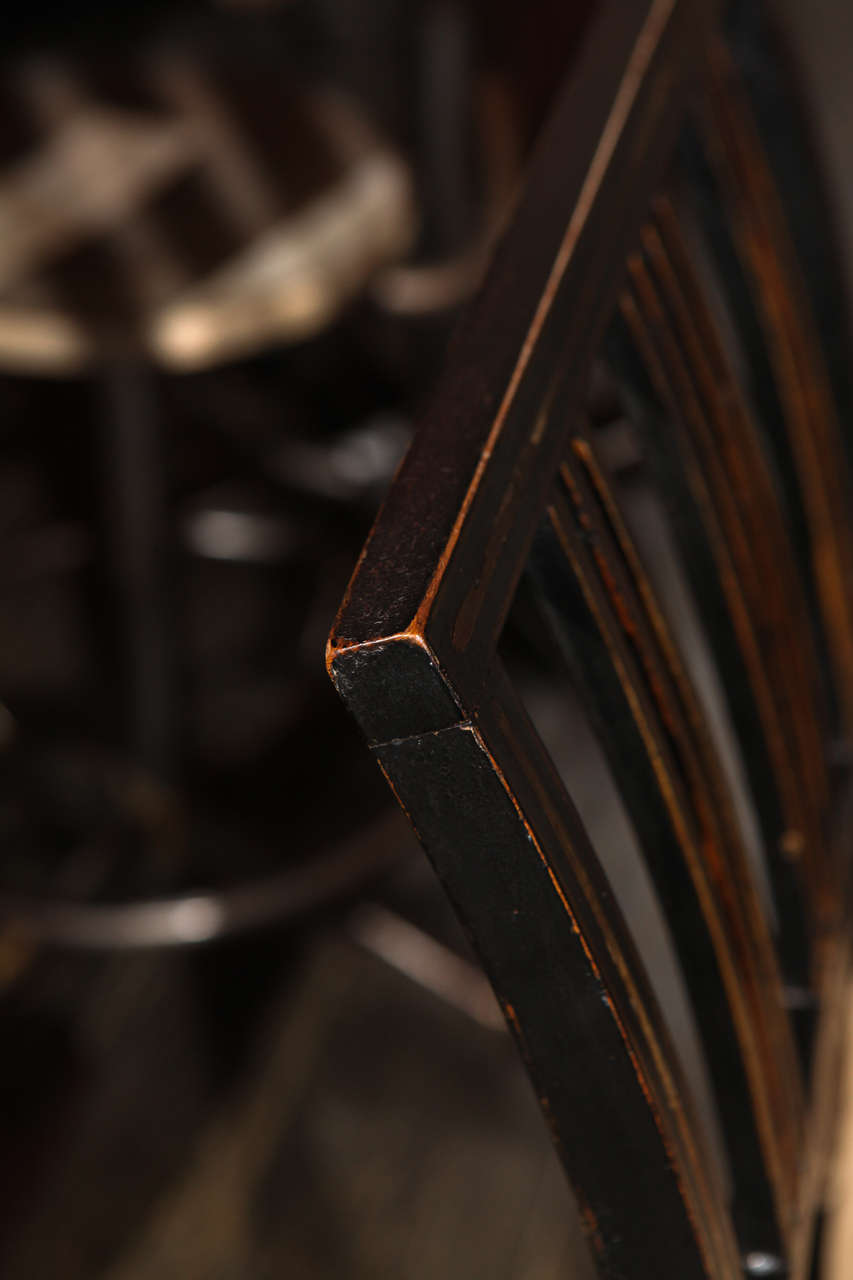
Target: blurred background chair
{"points": [[186, 199]]}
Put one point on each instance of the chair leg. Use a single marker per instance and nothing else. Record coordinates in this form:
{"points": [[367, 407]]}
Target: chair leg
{"points": [[137, 562]]}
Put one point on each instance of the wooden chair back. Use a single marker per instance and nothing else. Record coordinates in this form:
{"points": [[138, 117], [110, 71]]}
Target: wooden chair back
{"points": [[670, 239]]}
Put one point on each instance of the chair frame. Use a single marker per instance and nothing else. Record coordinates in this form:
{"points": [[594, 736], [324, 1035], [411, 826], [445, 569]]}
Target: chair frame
{"points": [[501, 478]]}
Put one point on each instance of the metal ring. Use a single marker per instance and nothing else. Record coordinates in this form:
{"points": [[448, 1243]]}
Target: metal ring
{"points": [[193, 918]]}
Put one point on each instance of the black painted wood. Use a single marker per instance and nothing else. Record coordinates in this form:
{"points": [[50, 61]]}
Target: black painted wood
{"points": [[544, 921], [667, 455], [413, 653], [593, 633]]}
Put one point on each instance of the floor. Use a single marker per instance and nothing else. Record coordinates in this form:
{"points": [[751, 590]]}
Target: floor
{"points": [[290, 1107]]}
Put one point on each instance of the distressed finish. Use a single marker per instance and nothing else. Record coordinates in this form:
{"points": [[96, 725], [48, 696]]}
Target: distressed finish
{"points": [[651, 232]]}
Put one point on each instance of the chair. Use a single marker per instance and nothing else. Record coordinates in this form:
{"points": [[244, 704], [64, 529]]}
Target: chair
{"points": [[155, 229], [668, 280]]}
